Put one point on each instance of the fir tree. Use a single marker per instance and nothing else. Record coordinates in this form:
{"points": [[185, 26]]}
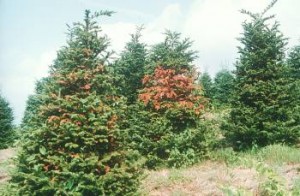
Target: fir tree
{"points": [[293, 75], [6, 124], [223, 87], [262, 112], [207, 84], [294, 62], [166, 128], [130, 67], [31, 115], [172, 53], [78, 149]]}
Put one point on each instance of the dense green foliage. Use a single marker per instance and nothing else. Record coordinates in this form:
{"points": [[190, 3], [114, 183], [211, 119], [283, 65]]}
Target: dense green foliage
{"points": [[130, 68], [262, 110], [31, 115], [293, 62], [166, 128], [6, 124], [78, 149], [172, 53], [92, 124], [219, 91], [207, 83], [223, 87], [165, 140]]}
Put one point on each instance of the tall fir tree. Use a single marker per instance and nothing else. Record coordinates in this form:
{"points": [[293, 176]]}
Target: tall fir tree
{"points": [[166, 127], [293, 62], [78, 149], [223, 87], [6, 124], [262, 112], [130, 67]]}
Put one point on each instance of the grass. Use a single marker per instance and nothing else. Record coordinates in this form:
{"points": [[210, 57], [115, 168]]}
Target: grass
{"points": [[267, 171], [274, 154], [280, 154], [207, 178], [296, 187], [165, 179]]}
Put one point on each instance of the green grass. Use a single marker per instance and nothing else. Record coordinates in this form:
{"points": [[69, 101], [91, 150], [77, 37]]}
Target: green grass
{"points": [[280, 154], [226, 155], [274, 154], [296, 187], [222, 173], [266, 161]]}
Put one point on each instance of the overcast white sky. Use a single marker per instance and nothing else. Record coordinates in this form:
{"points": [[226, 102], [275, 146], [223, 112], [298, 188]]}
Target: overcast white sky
{"points": [[32, 31]]}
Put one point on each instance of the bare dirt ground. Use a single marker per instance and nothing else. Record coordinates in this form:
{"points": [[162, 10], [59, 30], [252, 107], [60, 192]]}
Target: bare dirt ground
{"points": [[206, 179], [5, 156]]}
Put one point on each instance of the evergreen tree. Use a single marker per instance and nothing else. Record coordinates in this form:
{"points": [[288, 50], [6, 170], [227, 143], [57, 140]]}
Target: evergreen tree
{"points": [[262, 112], [130, 67], [207, 84], [166, 128], [172, 53], [6, 124], [78, 150], [223, 87], [294, 62], [31, 115]]}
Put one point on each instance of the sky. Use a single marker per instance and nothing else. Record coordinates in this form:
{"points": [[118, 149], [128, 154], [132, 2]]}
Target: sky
{"points": [[31, 31]]}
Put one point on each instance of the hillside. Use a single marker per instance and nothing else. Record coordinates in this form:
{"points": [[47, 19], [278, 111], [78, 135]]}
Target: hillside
{"points": [[272, 169]]}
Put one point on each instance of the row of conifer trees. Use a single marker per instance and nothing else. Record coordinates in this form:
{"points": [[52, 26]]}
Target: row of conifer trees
{"points": [[93, 124]]}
